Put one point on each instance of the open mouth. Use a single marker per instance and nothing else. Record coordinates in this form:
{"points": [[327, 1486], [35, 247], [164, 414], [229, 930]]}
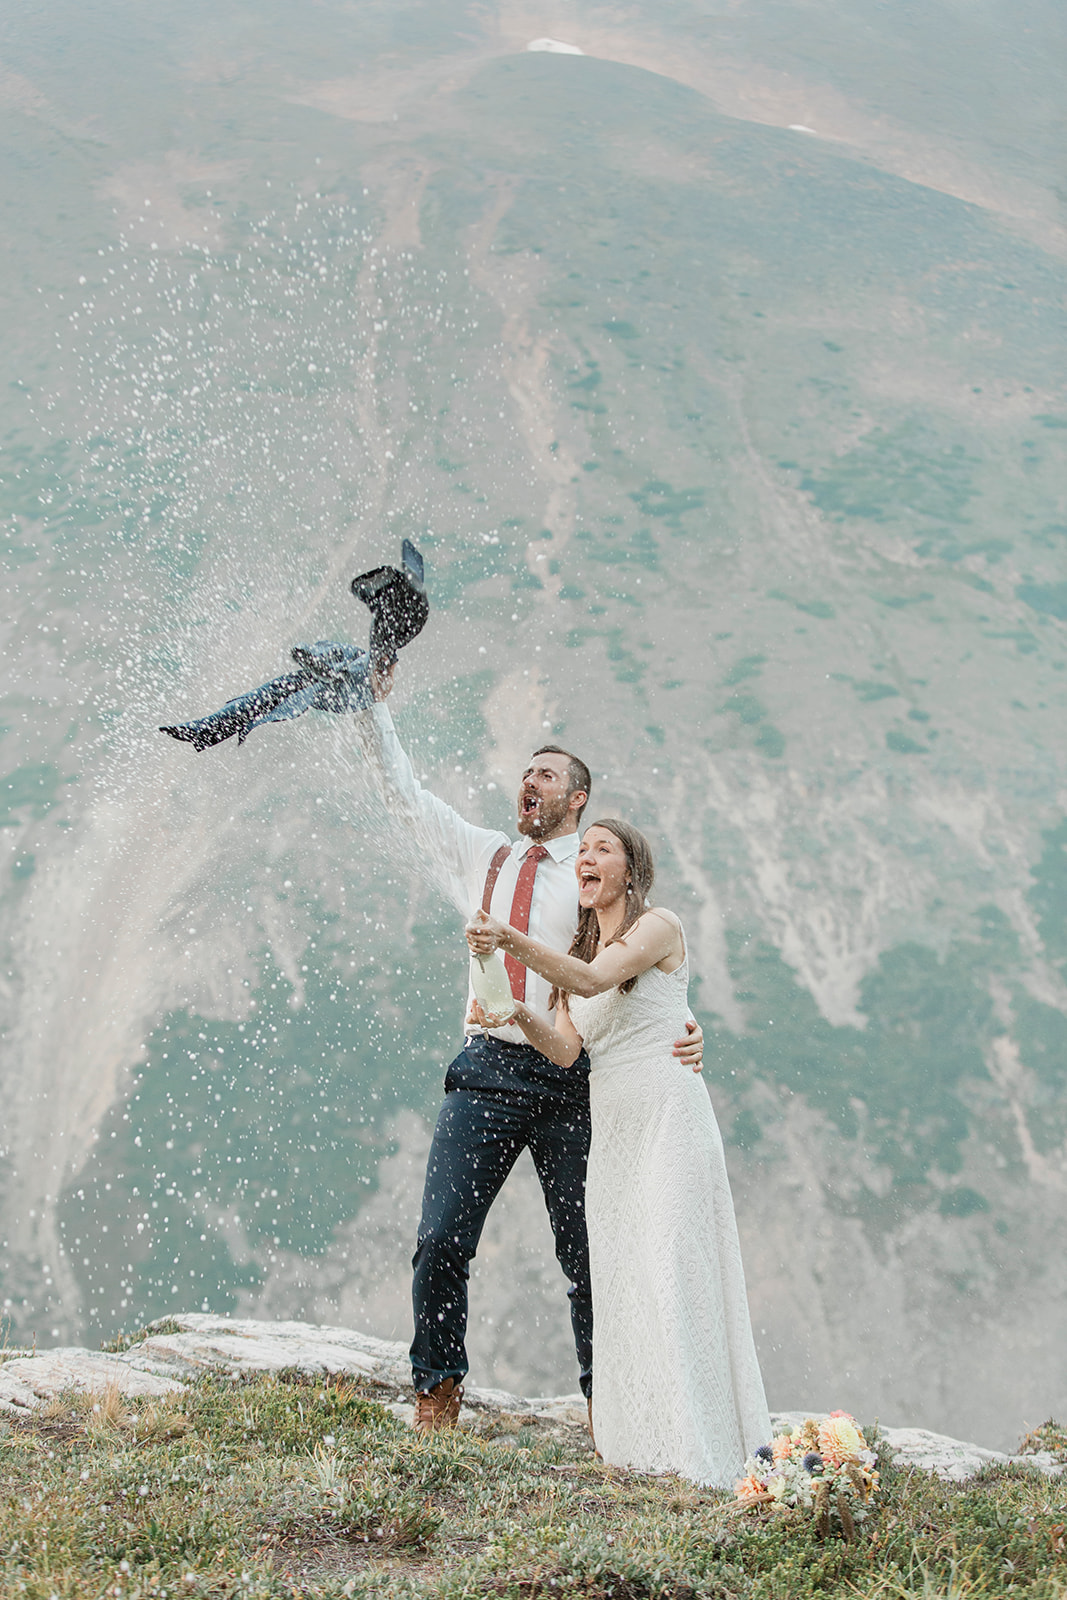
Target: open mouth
{"points": [[588, 879], [531, 803]]}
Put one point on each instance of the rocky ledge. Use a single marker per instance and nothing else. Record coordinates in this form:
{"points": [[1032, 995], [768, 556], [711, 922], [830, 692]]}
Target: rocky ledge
{"points": [[177, 1350]]}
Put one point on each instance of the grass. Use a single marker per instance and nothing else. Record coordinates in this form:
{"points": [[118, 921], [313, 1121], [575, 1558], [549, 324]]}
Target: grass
{"points": [[126, 1341], [294, 1487], [1051, 1437]]}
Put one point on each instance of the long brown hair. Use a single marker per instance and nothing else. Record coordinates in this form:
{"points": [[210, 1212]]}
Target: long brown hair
{"points": [[640, 876]]}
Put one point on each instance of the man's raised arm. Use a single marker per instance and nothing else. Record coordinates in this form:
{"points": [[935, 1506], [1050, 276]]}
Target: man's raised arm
{"points": [[454, 849]]}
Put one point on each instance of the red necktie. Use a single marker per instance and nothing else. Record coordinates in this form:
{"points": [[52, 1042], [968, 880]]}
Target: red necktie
{"points": [[520, 915]]}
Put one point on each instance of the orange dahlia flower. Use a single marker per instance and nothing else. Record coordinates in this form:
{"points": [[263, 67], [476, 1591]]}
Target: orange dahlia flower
{"points": [[839, 1438]]}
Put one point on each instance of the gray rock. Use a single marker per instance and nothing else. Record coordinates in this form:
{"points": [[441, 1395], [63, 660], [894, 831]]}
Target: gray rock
{"points": [[161, 1362], [28, 1380], [218, 1344]]}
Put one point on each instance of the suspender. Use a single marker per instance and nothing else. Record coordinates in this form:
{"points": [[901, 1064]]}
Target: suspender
{"points": [[493, 874]]}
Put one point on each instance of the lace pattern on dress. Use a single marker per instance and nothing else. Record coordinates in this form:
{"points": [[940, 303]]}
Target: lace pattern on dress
{"points": [[676, 1381]]}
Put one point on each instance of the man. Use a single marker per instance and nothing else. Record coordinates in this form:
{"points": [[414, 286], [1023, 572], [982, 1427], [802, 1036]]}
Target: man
{"points": [[501, 1095]]}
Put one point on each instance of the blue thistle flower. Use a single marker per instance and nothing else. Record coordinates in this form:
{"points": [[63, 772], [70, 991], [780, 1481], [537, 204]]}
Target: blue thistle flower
{"points": [[812, 1461], [764, 1453]]}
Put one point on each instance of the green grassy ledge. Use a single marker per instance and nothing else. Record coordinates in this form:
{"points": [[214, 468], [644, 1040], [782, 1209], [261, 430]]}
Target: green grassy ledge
{"points": [[291, 1486]]}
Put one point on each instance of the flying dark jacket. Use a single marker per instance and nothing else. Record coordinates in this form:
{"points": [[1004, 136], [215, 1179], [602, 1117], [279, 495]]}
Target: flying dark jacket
{"points": [[330, 676]]}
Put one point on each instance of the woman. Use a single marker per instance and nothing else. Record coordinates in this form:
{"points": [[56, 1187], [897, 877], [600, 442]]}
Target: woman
{"points": [[677, 1384]]}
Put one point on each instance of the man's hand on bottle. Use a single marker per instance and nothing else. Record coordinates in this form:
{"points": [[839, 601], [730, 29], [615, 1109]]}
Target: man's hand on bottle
{"points": [[484, 933], [478, 1017]]}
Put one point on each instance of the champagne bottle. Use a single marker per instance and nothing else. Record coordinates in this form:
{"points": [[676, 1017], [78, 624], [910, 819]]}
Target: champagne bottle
{"points": [[492, 987]]}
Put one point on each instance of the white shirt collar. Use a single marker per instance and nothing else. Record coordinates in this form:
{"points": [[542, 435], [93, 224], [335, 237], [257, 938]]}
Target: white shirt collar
{"points": [[564, 847]]}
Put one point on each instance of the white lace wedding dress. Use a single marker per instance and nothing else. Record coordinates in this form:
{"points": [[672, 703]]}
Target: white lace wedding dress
{"points": [[676, 1382]]}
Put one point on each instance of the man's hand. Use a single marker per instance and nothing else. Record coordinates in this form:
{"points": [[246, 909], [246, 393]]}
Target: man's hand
{"points": [[691, 1048], [478, 1017], [381, 681]]}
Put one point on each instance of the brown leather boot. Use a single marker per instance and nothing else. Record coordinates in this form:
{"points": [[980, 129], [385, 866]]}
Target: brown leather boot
{"points": [[438, 1407]]}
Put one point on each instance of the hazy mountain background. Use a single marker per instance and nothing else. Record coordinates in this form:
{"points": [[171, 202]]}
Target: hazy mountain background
{"points": [[719, 373]]}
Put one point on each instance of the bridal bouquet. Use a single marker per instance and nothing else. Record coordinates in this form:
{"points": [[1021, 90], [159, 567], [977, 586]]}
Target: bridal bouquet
{"points": [[825, 1468]]}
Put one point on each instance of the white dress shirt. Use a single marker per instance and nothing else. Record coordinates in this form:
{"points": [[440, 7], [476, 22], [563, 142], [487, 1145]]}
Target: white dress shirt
{"points": [[458, 854]]}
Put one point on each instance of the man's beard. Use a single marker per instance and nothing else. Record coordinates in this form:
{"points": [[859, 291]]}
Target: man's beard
{"points": [[546, 819]]}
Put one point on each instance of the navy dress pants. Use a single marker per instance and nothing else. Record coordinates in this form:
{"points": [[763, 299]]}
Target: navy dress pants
{"points": [[500, 1099]]}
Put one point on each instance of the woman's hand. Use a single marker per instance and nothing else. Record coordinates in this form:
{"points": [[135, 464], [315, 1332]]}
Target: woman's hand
{"points": [[484, 933]]}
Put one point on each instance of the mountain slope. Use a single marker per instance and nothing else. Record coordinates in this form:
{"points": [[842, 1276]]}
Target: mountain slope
{"points": [[736, 455]]}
